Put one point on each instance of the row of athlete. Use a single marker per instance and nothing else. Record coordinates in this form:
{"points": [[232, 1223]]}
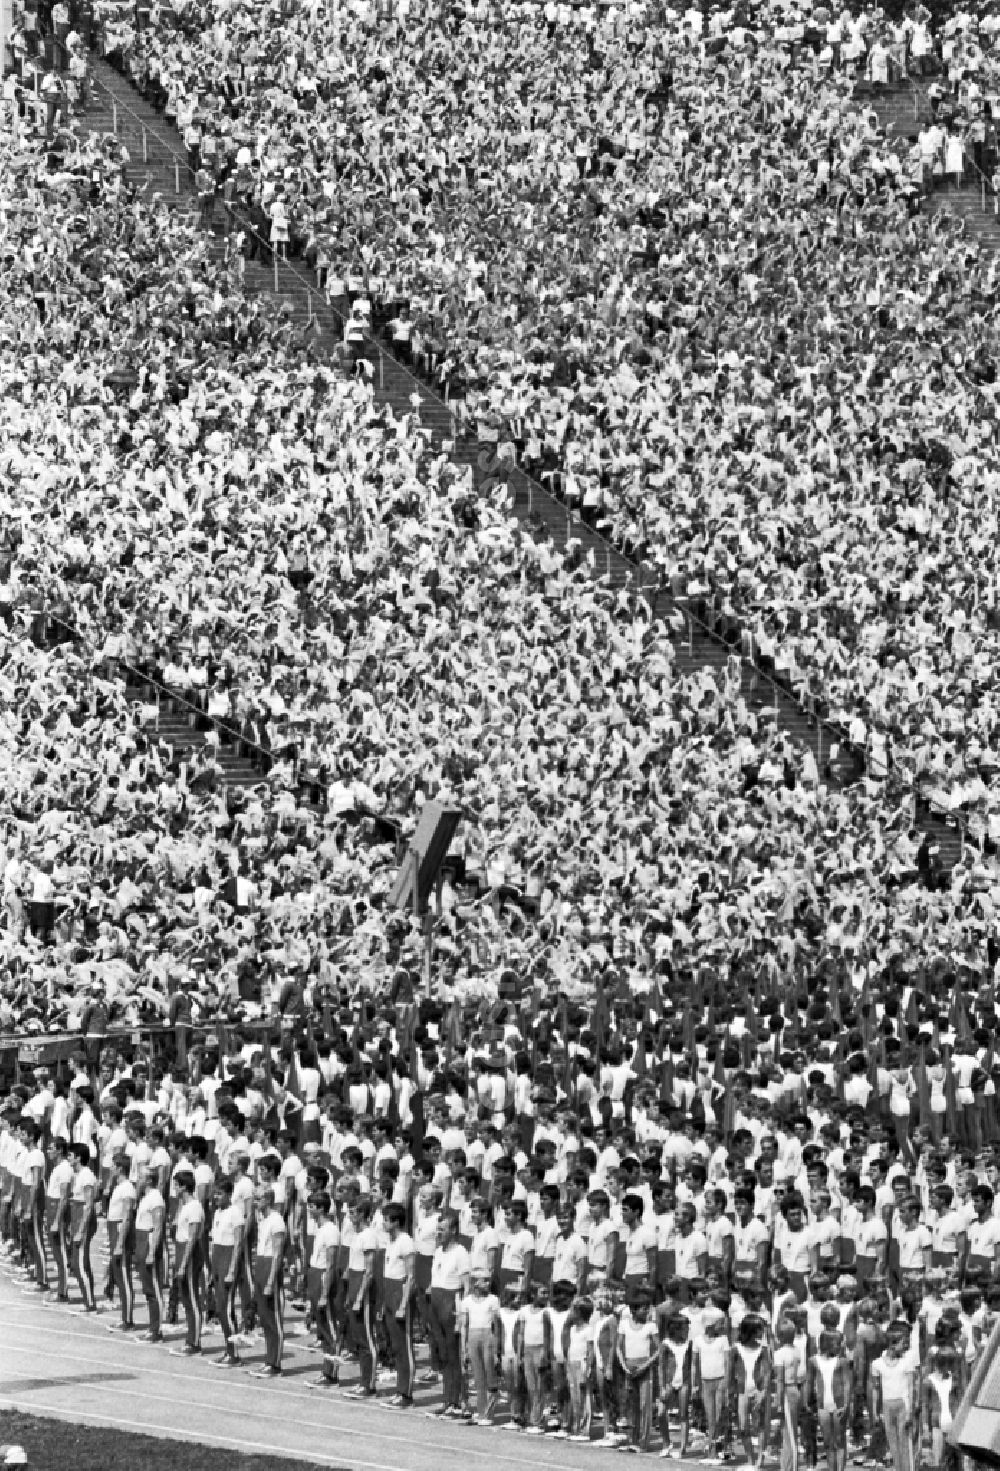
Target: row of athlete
{"points": [[699, 1364]]}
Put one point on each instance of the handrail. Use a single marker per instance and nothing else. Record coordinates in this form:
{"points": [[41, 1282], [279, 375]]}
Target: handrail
{"points": [[379, 346], [836, 732], [9, 1040], [297, 275], [234, 734]]}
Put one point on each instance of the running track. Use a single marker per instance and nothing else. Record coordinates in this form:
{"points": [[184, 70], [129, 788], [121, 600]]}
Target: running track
{"points": [[55, 1364]]}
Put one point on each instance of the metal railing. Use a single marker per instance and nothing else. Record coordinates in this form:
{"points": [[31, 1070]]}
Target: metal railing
{"points": [[969, 165], [232, 734], [286, 266], [53, 1048]]}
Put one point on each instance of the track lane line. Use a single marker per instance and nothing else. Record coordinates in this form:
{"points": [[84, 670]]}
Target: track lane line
{"points": [[462, 1449]]}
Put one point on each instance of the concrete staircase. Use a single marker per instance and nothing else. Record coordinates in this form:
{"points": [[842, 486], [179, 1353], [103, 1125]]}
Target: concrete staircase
{"points": [[169, 719], [178, 728], [180, 731], [905, 108], [967, 203], [158, 165]]}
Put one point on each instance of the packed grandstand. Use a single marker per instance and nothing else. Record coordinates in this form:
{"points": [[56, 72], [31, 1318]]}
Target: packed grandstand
{"points": [[673, 266]]}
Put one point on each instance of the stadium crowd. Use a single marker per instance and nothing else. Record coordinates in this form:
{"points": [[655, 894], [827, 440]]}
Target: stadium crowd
{"points": [[682, 187], [699, 1144]]}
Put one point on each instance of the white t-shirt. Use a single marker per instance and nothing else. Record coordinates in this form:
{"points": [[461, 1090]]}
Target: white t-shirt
{"points": [[60, 1181], [568, 1254], [150, 1202], [687, 1250], [326, 1244], [641, 1240], [396, 1254], [189, 1216], [984, 1237], [479, 1312], [912, 1245], [897, 1377], [712, 1355], [450, 1267]]}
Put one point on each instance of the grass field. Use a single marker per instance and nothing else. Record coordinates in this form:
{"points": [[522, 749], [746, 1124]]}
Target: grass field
{"points": [[53, 1445]]}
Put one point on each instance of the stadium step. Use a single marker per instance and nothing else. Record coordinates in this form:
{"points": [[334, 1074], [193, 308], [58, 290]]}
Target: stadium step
{"points": [[158, 164], [906, 107]]}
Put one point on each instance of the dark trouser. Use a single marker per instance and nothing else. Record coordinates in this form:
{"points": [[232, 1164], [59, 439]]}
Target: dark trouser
{"points": [[121, 1271], [37, 1245], [607, 1394], [42, 914], [149, 1281], [53, 110], [400, 1331], [224, 1292], [323, 1317], [422, 1303], [82, 1269], [444, 1335], [33, 1229], [270, 1311], [57, 1247], [362, 1329], [541, 1269], [244, 1283], [182, 1041], [190, 1284], [508, 1277]]}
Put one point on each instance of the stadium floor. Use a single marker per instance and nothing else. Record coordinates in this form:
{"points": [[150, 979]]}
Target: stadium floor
{"points": [[56, 1365]]}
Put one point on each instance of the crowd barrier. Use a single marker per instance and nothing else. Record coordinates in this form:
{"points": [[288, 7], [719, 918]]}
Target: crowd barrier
{"points": [[21, 1052]]}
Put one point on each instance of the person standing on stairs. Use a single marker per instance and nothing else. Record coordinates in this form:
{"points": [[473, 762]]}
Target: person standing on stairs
{"points": [[205, 185], [55, 96], [60, 30], [279, 224], [954, 159], [192, 142]]}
